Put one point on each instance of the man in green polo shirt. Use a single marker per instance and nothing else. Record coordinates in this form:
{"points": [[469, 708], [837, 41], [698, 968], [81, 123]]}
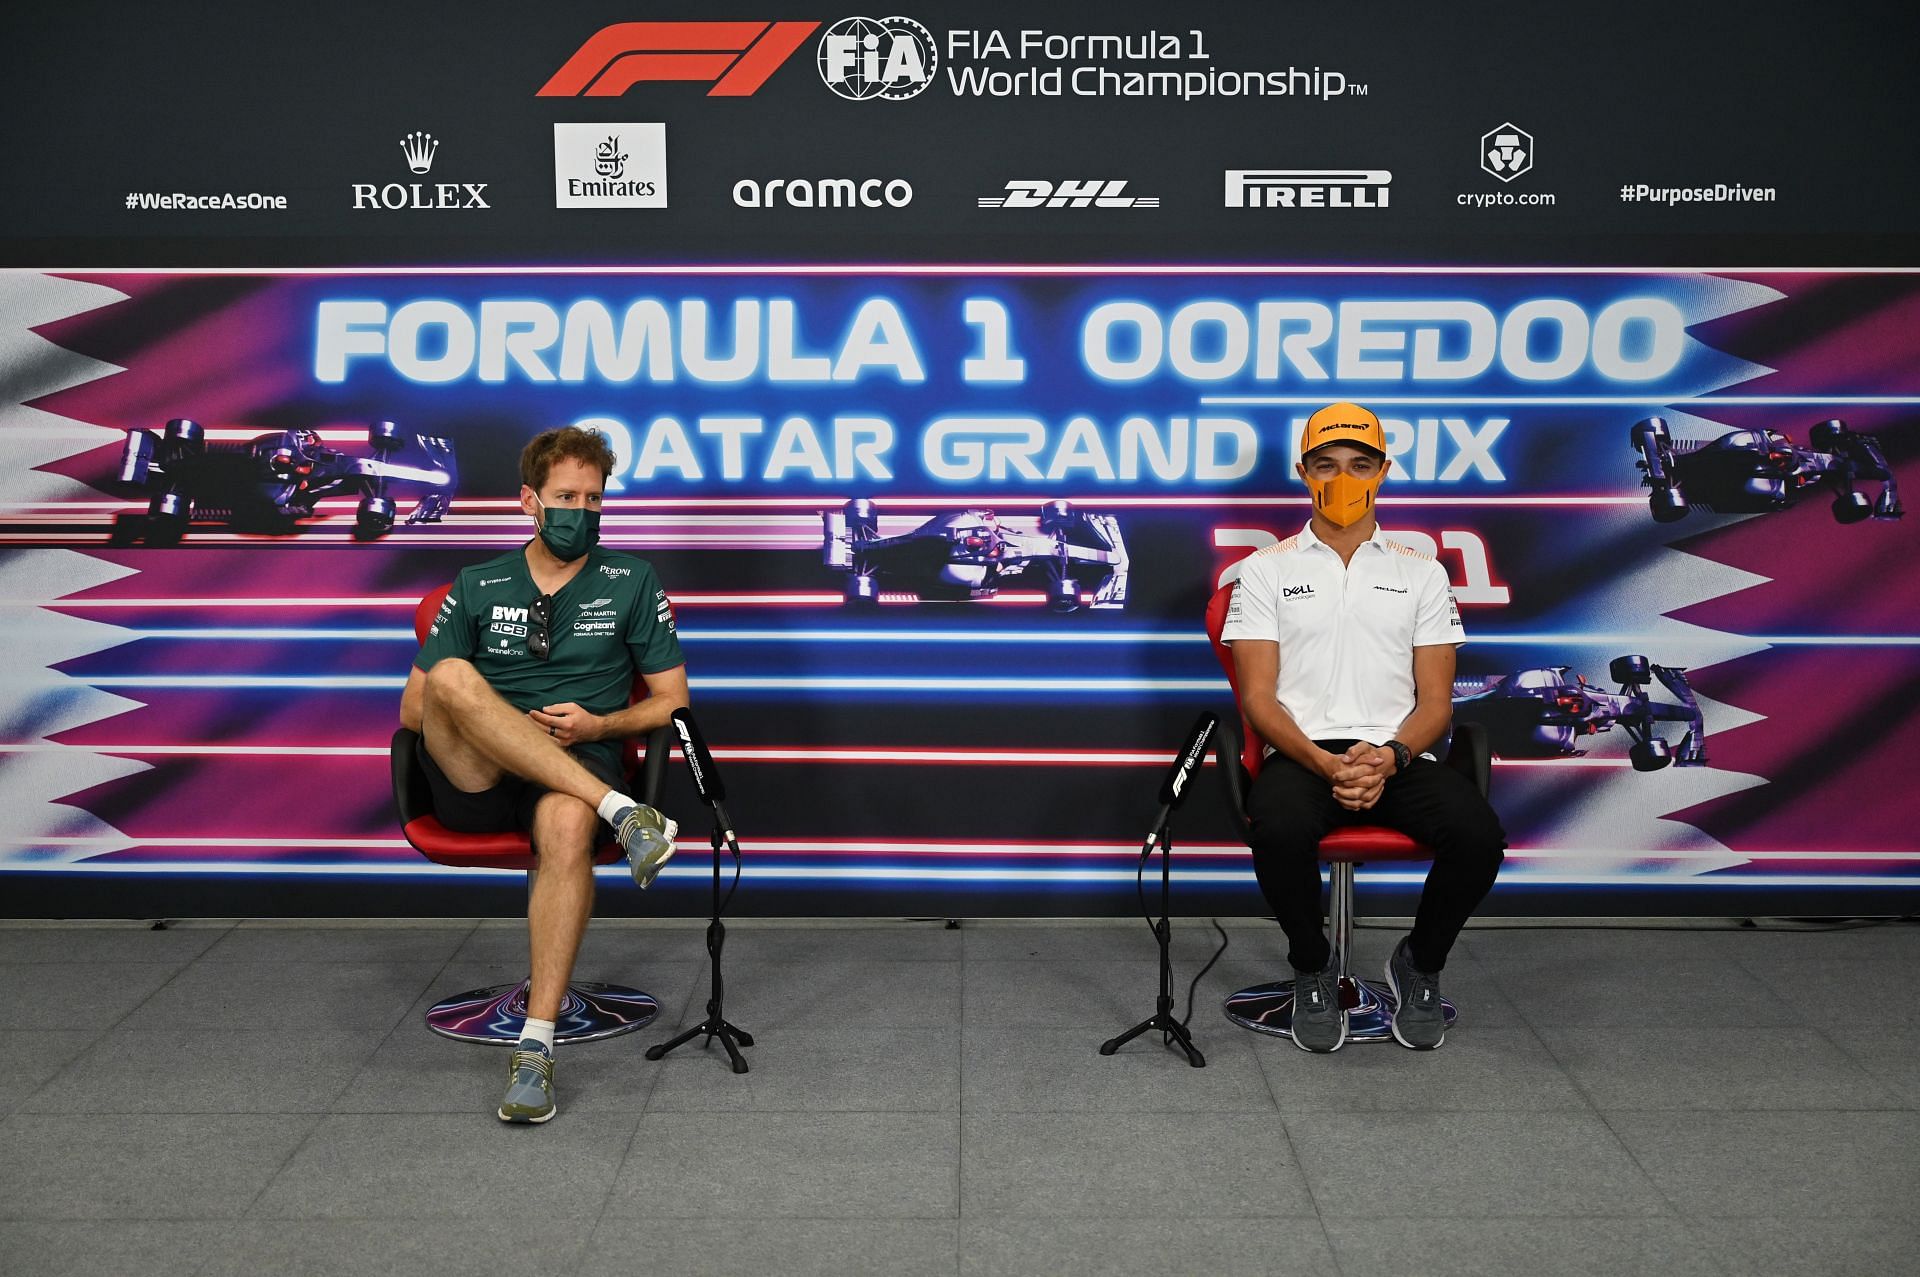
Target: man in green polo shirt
{"points": [[520, 695]]}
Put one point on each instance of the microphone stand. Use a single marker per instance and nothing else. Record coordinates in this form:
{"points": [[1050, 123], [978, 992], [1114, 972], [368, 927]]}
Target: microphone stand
{"points": [[1173, 1033], [715, 1025]]}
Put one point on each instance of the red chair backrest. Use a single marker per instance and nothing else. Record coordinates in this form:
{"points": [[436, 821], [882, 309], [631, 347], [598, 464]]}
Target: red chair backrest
{"points": [[1253, 750]]}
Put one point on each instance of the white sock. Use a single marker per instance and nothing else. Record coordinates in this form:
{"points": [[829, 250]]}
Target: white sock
{"points": [[613, 804], [540, 1031]]}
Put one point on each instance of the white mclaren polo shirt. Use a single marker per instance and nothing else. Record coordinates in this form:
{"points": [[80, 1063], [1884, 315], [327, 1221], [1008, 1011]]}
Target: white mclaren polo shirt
{"points": [[1346, 631]]}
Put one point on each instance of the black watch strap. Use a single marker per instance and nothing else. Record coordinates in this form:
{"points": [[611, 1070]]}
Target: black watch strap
{"points": [[1402, 756]]}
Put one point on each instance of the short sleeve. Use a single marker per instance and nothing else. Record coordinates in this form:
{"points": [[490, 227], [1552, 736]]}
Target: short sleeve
{"points": [[1438, 620], [454, 632], [651, 634], [1250, 610]]}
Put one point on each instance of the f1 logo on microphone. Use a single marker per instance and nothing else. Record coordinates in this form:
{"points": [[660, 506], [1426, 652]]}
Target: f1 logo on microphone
{"points": [[735, 57]]}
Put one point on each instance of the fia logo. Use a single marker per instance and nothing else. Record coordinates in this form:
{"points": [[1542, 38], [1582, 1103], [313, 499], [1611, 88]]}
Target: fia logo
{"points": [[892, 58]]}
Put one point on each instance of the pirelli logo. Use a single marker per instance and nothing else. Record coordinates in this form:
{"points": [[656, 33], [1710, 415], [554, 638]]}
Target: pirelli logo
{"points": [[734, 57], [1308, 188]]}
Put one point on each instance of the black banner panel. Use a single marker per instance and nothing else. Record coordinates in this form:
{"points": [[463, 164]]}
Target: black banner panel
{"points": [[950, 362]]}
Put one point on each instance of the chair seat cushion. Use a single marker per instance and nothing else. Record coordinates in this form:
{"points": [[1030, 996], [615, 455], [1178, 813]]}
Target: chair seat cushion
{"points": [[482, 851], [1370, 842]]}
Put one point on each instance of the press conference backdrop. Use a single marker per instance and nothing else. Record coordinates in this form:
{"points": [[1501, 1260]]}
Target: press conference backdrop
{"points": [[820, 279]]}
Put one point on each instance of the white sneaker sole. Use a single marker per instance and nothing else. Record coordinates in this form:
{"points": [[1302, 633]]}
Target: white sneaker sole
{"points": [[526, 1121]]}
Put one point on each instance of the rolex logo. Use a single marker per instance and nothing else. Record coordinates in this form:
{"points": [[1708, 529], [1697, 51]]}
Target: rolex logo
{"points": [[608, 161], [419, 149]]}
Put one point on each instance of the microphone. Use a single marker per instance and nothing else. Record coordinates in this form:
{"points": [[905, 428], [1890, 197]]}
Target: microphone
{"points": [[1174, 787], [693, 748]]}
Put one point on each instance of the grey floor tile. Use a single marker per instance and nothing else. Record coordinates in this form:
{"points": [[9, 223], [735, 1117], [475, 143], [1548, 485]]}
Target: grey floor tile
{"points": [[790, 1165], [208, 1071], [787, 1247], [1092, 1165], [369, 941], [143, 1166], [819, 1070], [1896, 941], [110, 1247], [1389, 1247], [1799, 1246], [1102, 940], [415, 1247], [1476, 1070], [107, 941], [757, 941], [79, 995], [1061, 1071], [33, 1057], [1469, 1165], [1891, 1055], [1045, 1247], [1662, 940], [1681, 1068], [1841, 990], [1765, 1164], [1601, 993], [305, 995], [415, 1070], [765, 996], [1104, 995], [404, 1166]]}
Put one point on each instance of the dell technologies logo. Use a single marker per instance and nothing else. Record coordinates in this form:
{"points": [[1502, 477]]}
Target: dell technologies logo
{"points": [[610, 166], [891, 58], [1095, 194], [1307, 188], [419, 149], [822, 192]]}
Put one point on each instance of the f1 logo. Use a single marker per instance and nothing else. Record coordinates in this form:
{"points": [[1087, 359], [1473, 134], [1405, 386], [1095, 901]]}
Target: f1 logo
{"points": [[735, 57]]}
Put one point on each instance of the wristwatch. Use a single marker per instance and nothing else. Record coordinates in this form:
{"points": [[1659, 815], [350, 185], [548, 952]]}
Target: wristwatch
{"points": [[1402, 756]]}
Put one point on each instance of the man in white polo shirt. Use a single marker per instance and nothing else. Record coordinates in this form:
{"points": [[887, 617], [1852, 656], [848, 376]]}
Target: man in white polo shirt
{"points": [[1356, 635]]}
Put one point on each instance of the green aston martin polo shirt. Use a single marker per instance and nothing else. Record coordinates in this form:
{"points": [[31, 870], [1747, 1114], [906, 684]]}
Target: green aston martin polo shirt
{"points": [[609, 622]]}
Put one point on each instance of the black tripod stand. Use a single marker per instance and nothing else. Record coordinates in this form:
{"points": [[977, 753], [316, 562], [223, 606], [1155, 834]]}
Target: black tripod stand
{"points": [[716, 1025], [1172, 1031]]}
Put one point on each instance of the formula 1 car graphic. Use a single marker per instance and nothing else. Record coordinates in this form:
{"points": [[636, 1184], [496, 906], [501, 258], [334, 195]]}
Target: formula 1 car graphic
{"points": [[1543, 713], [271, 482], [1754, 471], [972, 554]]}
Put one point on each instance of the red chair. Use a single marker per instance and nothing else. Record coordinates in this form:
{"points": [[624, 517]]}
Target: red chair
{"points": [[1268, 1008], [494, 1015]]}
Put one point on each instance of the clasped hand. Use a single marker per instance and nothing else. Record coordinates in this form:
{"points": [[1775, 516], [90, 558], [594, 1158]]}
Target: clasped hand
{"points": [[568, 724], [1359, 775]]}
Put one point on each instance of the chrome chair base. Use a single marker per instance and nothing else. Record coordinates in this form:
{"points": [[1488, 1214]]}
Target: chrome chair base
{"points": [[588, 1013], [1268, 1008]]}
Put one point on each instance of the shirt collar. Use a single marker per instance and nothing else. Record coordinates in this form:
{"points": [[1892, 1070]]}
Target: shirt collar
{"points": [[1308, 540]]}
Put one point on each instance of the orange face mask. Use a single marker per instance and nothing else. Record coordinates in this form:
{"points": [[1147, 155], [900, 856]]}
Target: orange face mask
{"points": [[1344, 500]]}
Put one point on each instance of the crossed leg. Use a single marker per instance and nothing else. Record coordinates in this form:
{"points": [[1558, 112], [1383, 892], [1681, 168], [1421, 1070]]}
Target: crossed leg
{"points": [[476, 738]]}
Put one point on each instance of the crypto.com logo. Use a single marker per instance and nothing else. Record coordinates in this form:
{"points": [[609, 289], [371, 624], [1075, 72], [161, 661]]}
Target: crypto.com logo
{"points": [[735, 57]]}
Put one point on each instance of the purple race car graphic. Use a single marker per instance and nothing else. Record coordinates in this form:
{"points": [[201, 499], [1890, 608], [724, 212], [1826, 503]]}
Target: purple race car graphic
{"points": [[270, 483], [1545, 712], [1755, 471], [972, 554]]}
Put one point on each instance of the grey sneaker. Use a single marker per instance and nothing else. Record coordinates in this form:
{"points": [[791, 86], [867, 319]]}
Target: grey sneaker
{"points": [[529, 1088], [1419, 1021], [647, 838], [1319, 1021]]}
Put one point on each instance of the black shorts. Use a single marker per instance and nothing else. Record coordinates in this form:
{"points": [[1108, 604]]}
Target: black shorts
{"points": [[508, 806]]}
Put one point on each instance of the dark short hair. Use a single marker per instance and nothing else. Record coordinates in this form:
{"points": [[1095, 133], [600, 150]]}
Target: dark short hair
{"points": [[563, 443]]}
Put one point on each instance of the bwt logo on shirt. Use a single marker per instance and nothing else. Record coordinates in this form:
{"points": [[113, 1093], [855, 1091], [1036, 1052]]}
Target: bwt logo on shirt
{"points": [[509, 613], [1296, 591]]}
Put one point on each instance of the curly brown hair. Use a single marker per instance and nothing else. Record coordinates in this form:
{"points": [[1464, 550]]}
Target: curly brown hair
{"points": [[563, 443]]}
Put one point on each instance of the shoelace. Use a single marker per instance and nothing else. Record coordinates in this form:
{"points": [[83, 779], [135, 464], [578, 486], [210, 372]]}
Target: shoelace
{"points": [[1425, 991], [539, 1062]]}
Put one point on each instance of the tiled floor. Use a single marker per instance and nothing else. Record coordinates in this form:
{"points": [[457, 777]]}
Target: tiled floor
{"points": [[263, 1098]]}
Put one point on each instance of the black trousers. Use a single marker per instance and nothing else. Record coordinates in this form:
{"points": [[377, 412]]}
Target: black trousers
{"points": [[1290, 808]]}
